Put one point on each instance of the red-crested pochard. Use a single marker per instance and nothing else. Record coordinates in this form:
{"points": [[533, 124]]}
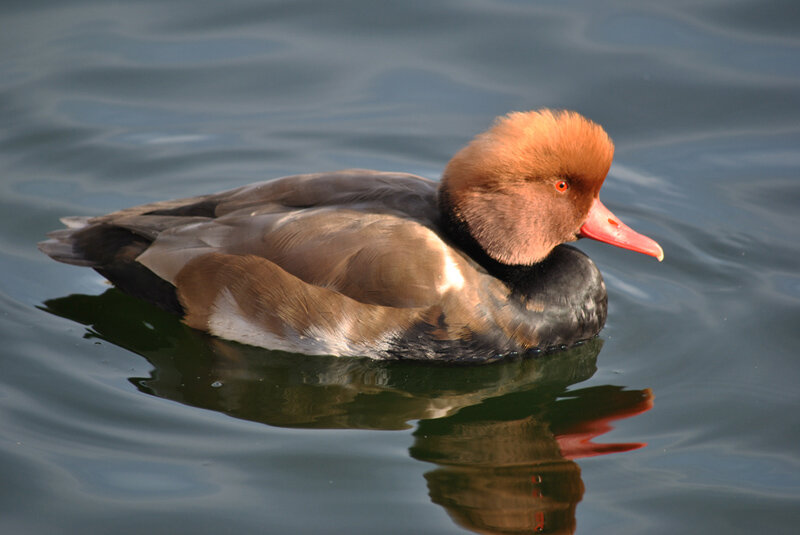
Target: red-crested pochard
{"points": [[384, 265]]}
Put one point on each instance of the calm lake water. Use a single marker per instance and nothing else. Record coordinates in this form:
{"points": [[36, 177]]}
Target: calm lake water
{"points": [[681, 418]]}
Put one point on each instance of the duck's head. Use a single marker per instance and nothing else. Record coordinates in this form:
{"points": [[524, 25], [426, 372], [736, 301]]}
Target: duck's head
{"points": [[530, 183]]}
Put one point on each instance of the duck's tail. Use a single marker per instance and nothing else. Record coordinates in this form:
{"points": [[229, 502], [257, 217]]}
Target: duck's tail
{"points": [[111, 250]]}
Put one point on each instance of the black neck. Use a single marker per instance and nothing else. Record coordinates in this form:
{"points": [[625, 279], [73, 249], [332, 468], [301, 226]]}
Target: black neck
{"points": [[456, 229]]}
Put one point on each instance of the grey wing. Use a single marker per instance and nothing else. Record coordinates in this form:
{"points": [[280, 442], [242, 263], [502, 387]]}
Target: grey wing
{"points": [[366, 234]]}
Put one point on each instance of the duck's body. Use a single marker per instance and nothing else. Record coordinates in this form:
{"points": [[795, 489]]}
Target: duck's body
{"points": [[357, 262]]}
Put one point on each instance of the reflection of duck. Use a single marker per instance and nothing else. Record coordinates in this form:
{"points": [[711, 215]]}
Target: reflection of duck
{"points": [[502, 436], [384, 264], [294, 390], [517, 475]]}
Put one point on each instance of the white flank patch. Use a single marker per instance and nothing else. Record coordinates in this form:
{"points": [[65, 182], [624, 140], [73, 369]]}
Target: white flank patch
{"points": [[227, 321]]}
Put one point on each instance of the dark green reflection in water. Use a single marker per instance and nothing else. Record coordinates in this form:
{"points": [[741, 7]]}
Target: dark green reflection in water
{"points": [[503, 436]]}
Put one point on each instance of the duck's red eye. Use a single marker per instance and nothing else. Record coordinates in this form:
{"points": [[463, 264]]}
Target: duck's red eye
{"points": [[562, 186]]}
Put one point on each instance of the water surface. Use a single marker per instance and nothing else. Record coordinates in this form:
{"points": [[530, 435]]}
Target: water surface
{"points": [[681, 417]]}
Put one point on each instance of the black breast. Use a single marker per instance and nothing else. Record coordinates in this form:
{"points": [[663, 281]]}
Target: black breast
{"points": [[564, 296], [556, 304]]}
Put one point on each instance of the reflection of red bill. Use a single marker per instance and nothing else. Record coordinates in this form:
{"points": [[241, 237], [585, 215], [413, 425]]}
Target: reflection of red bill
{"points": [[576, 440]]}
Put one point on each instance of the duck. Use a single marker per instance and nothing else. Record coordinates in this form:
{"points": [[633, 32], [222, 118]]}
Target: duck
{"points": [[474, 267]]}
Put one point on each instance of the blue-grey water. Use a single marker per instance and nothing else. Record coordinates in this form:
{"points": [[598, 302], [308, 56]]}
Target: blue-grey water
{"points": [[681, 418]]}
